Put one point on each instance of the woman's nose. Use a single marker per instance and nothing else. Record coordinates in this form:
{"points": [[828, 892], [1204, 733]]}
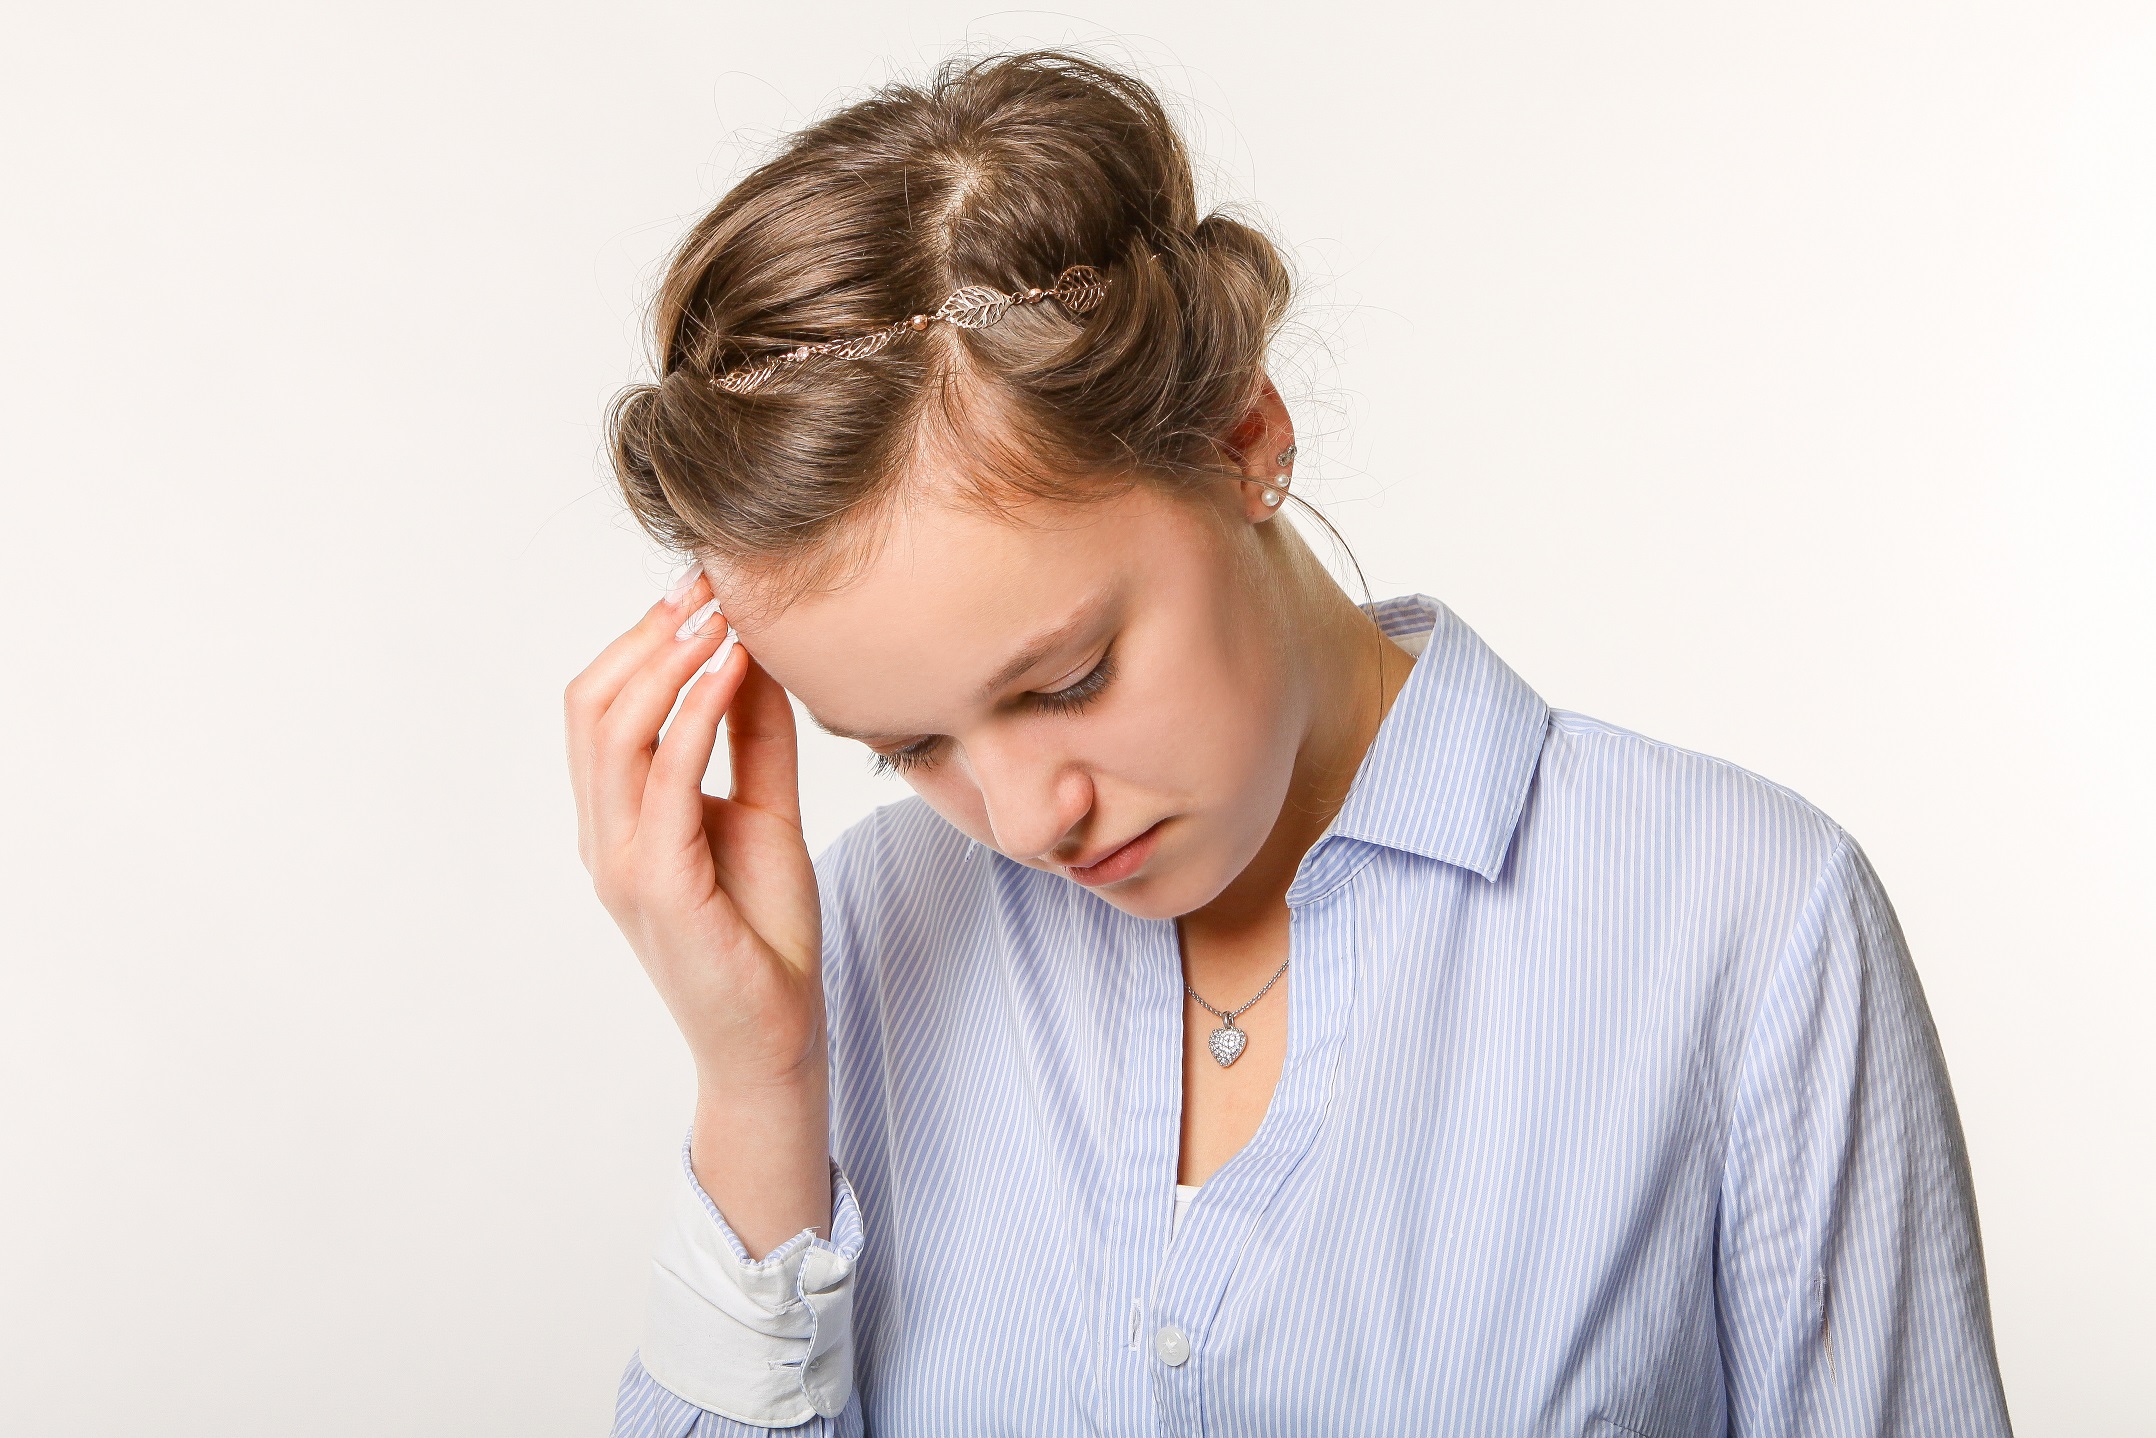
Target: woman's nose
{"points": [[1033, 800]]}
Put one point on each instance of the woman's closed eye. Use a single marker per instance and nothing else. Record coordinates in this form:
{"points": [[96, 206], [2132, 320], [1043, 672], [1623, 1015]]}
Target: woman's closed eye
{"points": [[1073, 697], [1067, 700]]}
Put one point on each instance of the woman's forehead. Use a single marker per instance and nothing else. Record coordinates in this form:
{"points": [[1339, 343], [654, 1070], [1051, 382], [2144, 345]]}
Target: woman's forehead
{"points": [[948, 603], [960, 569]]}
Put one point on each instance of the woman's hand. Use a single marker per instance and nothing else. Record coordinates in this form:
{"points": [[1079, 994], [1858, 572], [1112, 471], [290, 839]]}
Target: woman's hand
{"points": [[716, 896]]}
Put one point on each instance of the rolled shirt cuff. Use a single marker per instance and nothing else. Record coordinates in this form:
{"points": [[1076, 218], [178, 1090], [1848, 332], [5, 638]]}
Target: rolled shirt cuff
{"points": [[766, 1341]]}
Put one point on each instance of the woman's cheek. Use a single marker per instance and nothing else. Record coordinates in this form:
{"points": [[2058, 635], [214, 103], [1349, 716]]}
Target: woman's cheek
{"points": [[952, 794]]}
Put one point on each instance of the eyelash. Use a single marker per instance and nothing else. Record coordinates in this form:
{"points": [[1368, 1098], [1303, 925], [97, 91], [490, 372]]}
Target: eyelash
{"points": [[1063, 701]]}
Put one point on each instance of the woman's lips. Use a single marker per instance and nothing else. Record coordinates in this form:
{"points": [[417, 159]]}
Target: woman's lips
{"points": [[1119, 863]]}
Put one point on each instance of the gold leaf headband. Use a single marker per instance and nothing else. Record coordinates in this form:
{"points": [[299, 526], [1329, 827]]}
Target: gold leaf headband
{"points": [[1078, 290]]}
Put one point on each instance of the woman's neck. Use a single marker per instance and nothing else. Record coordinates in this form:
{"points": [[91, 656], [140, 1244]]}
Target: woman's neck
{"points": [[1354, 673]]}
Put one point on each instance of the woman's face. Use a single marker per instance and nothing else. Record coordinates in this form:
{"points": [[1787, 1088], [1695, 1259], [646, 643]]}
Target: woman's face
{"points": [[1066, 680]]}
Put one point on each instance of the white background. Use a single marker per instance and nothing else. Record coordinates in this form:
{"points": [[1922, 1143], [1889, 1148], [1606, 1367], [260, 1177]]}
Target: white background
{"points": [[1779, 382]]}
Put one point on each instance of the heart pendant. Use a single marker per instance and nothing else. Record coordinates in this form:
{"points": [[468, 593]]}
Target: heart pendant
{"points": [[1227, 1044]]}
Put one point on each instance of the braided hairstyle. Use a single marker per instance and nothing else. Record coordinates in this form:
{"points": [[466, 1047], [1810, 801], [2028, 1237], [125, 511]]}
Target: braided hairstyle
{"points": [[1003, 171]]}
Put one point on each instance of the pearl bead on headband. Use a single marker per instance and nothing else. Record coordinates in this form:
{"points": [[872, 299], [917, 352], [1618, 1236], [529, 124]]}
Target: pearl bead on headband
{"points": [[1078, 291]]}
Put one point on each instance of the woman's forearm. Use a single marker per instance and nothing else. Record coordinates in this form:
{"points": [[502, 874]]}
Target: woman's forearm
{"points": [[761, 1150]]}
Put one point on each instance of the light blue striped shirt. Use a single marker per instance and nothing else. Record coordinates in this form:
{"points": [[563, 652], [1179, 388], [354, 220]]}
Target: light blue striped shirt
{"points": [[1611, 1106]]}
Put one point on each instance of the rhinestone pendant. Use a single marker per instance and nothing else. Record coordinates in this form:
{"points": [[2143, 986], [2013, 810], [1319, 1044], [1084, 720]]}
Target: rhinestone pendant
{"points": [[1227, 1043]]}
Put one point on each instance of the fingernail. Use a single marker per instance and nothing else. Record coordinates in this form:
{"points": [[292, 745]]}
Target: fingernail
{"points": [[693, 626], [726, 647], [679, 589]]}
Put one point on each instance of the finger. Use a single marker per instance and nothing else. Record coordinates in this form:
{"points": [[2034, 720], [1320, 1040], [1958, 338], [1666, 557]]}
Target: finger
{"points": [[761, 747], [674, 791], [592, 691], [626, 736]]}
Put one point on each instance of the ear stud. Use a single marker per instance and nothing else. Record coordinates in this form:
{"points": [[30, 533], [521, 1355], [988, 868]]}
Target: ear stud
{"points": [[1279, 492]]}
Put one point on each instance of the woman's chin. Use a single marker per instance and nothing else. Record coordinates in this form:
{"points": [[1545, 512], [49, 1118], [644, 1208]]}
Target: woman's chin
{"points": [[1172, 885]]}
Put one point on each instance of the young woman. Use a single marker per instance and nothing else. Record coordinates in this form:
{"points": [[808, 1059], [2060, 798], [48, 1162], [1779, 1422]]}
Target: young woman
{"points": [[1268, 1016]]}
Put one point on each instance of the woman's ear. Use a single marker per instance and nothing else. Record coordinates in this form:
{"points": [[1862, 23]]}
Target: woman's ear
{"points": [[1262, 446]]}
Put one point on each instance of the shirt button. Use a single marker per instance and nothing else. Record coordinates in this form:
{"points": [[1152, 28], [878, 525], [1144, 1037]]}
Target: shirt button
{"points": [[1171, 1347]]}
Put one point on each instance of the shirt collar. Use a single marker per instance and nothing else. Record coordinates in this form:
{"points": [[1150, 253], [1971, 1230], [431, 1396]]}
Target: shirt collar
{"points": [[1446, 776]]}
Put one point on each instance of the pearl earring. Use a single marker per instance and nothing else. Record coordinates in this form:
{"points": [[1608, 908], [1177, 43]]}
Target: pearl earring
{"points": [[1273, 496]]}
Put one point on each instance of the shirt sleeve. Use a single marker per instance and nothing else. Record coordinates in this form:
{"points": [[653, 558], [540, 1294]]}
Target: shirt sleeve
{"points": [[1850, 1275], [735, 1346]]}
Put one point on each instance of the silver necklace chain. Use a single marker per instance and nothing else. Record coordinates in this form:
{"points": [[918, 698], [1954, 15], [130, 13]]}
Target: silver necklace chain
{"points": [[1230, 1018]]}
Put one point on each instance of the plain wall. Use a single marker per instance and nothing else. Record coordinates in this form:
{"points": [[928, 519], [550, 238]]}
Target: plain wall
{"points": [[1776, 381]]}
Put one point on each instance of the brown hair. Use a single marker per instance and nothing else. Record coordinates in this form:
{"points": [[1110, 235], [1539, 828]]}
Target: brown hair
{"points": [[1000, 171]]}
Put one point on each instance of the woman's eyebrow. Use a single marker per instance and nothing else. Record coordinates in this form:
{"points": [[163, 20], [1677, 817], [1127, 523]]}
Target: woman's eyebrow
{"points": [[1045, 644], [840, 731]]}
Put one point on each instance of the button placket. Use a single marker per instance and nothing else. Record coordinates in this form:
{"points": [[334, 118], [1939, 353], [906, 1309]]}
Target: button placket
{"points": [[1152, 1125], [1199, 1269]]}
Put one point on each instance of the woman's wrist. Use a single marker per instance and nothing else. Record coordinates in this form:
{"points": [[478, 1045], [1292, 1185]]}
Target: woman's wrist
{"points": [[761, 1150]]}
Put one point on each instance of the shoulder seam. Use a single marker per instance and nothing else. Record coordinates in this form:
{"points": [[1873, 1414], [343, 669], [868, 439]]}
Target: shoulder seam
{"points": [[1588, 726]]}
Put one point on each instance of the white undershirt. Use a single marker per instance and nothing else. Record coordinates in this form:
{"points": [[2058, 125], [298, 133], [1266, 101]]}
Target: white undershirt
{"points": [[1184, 1193]]}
